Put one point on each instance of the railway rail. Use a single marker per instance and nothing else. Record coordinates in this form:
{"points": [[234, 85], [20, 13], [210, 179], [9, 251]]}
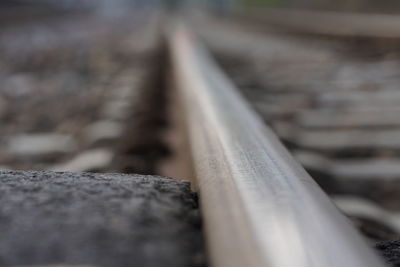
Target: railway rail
{"points": [[314, 94], [258, 204]]}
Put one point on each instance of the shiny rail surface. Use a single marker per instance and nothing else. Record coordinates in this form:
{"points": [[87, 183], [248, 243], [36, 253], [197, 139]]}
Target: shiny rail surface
{"points": [[260, 206]]}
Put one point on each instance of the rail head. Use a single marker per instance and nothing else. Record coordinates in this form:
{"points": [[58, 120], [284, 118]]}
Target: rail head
{"points": [[260, 206]]}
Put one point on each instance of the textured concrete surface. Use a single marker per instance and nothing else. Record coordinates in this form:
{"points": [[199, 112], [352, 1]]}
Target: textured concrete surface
{"points": [[390, 251], [98, 219]]}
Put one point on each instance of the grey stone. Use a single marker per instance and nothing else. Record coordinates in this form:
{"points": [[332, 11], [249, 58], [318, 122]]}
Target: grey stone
{"points": [[339, 119], [98, 219], [360, 207], [40, 144], [364, 169], [347, 139], [379, 169], [359, 98], [3, 106], [122, 92], [91, 160], [390, 250], [19, 85], [102, 131], [117, 109]]}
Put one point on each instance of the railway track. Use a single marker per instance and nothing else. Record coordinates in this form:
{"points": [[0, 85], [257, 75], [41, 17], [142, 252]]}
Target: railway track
{"points": [[258, 205], [330, 108], [247, 178]]}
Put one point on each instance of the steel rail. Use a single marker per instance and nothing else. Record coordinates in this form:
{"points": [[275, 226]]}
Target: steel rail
{"points": [[260, 207]]}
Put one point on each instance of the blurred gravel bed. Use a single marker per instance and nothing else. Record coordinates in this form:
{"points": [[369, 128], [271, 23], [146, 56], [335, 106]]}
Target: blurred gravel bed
{"points": [[69, 87]]}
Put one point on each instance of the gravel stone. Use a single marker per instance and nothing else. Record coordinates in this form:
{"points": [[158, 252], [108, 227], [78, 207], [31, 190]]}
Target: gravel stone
{"points": [[91, 160], [103, 131], [49, 218], [19, 85], [390, 250], [31, 145], [117, 109]]}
